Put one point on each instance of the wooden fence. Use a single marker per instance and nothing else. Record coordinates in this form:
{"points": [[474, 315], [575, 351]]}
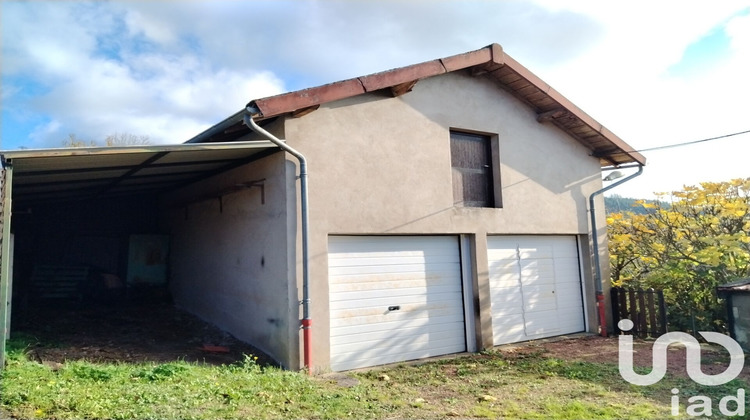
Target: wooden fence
{"points": [[644, 307]]}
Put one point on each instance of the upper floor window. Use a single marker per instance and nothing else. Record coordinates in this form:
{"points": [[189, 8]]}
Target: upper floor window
{"points": [[471, 162]]}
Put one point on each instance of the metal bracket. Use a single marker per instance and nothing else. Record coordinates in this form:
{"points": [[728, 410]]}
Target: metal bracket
{"points": [[5, 163], [260, 183]]}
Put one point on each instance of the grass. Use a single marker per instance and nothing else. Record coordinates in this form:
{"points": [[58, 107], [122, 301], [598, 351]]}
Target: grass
{"points": [[486, 385]]}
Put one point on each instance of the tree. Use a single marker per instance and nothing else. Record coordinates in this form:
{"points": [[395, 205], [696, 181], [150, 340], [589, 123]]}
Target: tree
{"points": [[73, 141], [126, 139], [617, 204], [686, 246], [112, 140]]}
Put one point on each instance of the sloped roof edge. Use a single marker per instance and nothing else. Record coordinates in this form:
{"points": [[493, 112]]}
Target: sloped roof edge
{"points": [[741, 285], [491, 62]]}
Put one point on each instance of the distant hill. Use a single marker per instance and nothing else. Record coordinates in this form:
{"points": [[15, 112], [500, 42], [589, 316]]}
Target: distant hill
{"points": [[617, 203]]}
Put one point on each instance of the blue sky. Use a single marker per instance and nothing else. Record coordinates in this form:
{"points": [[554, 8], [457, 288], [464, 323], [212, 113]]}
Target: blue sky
{"points": [[652, 72]]}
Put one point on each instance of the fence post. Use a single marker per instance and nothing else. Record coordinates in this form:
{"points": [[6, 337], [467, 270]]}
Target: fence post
{"points": [[623, 298], [633, 311], [642, 327], [652, 331], [662, 312], [613, 297]]}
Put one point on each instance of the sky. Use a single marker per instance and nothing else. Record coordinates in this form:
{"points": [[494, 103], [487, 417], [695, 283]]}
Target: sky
{"points": [[653, 72]]}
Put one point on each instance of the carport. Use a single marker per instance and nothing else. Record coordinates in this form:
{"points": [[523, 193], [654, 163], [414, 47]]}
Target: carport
{"points": [[83, 206]]}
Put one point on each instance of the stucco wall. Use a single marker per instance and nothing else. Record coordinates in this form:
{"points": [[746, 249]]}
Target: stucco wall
{"points": [[381, 165], [229, 260]]}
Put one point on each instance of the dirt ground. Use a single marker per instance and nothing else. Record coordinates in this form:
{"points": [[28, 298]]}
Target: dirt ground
{"points": [[597, 349], [159, 332], [127, 332]]}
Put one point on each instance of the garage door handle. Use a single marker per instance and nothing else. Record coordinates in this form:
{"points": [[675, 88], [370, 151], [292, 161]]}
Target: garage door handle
{"points": [[394, 308]]}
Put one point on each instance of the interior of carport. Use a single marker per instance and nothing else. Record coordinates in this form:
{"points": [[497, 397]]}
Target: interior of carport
{"points": [[87, 224]]}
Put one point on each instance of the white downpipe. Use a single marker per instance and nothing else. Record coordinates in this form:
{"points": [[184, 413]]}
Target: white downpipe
{"points": [[306, 320]]}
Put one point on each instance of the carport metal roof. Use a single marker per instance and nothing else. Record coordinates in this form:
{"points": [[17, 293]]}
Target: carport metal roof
{"points": [[72, 174]]}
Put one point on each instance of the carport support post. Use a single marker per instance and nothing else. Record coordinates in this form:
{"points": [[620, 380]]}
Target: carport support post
{"points": [[5, 263]]}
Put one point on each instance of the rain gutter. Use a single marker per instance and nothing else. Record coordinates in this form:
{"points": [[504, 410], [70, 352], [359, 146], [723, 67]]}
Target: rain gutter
{"points": [[218, 128]]}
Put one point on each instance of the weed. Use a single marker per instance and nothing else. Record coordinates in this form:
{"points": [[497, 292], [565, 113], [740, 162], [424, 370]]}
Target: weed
{"points": [[161, 372], [90, 372]]}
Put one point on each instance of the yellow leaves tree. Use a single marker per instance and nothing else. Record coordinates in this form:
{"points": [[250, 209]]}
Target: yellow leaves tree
{"points": [[689, 242]]}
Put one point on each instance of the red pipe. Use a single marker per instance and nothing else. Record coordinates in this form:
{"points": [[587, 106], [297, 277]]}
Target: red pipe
{"points": [[602, 316], [306, 327]]}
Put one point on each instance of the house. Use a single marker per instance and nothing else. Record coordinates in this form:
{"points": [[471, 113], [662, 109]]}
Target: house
{"points": [[447, 208], [737, 296]]}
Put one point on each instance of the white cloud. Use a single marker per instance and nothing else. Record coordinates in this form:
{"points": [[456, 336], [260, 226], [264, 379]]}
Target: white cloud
{"points": [[151, 27], [139, 87], [625, 83], [170, 70]]}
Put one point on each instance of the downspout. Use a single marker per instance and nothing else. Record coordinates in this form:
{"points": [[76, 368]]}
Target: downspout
{"points": [[595, 240], [306, 320]]}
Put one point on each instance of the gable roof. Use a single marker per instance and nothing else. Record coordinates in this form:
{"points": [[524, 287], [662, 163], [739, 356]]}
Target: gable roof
{"points": [[489, 62]]}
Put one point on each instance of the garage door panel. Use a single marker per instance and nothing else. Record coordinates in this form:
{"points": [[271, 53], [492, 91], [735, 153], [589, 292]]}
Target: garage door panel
{"points": [[410, 291], [537, 265], [355, 360], [347, 335], [406, 308], [345, 329], [405, 344], [508, 329], [565, 264], [541, 322], [413, 274], [344, 246], [436, 268], [539, 300], [444, 282], [507, 311], [535, 252], [502, 254], [504, 281], [442, 313], [507, 308], [509, 322], [387, 260], [568, 296], [509, 336], [406, 302], [506, 295], [537, 279], [420, 275], [572, 323], [504, 272], [398, 341], [535, 287]]}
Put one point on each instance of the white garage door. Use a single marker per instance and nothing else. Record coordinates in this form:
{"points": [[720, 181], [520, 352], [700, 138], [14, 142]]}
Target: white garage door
{"points": [[535, 286], [394, 298]]}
